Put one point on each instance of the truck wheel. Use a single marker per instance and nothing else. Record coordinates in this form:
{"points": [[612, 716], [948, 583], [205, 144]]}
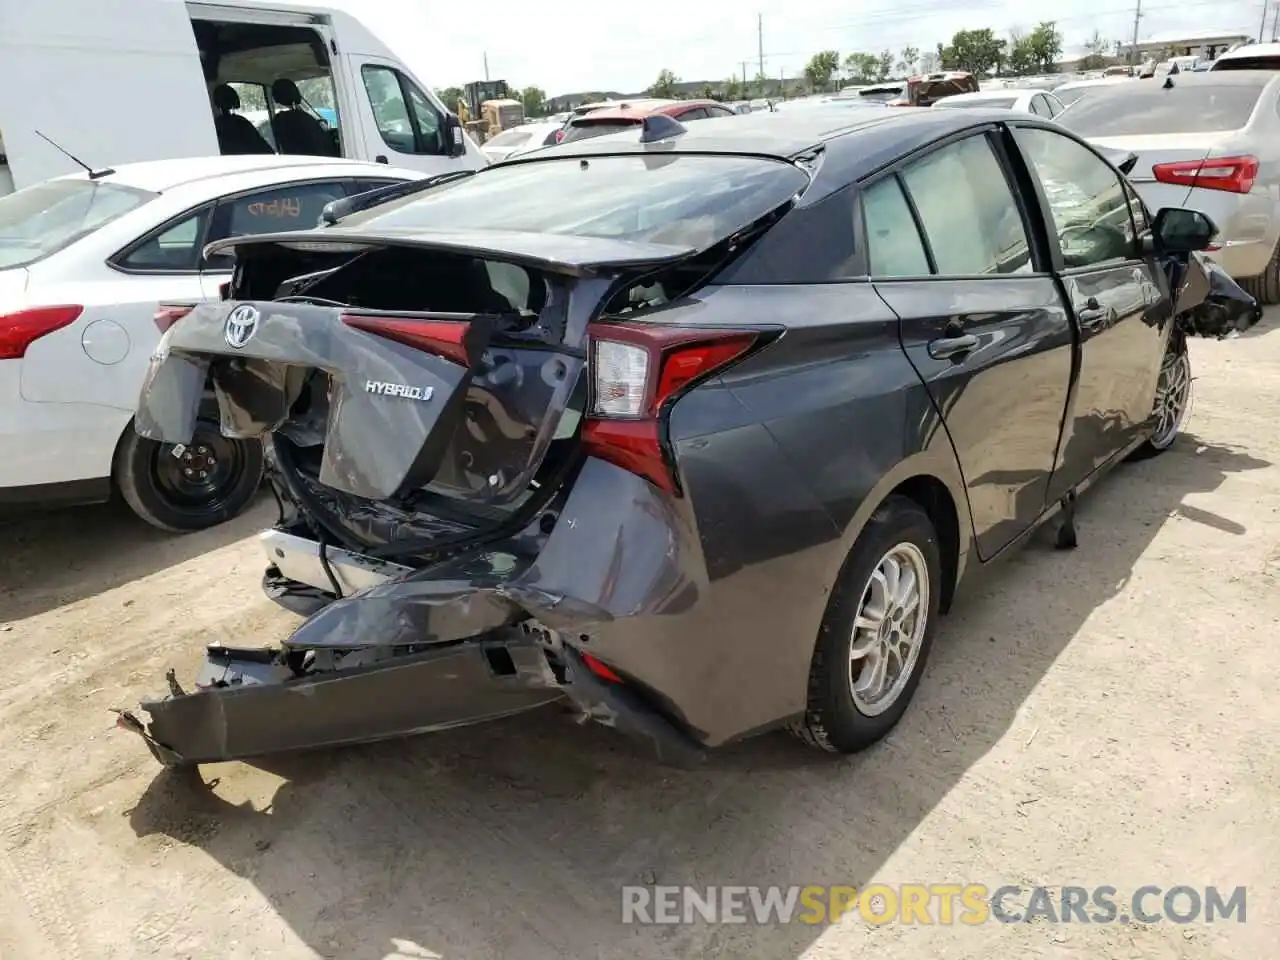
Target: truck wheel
{"points": [[1173, 399], [876, 634], [1265, 287], [213, 480]]}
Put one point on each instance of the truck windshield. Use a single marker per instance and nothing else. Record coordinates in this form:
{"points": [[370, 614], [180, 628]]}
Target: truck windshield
{"points": [[43, 219]]}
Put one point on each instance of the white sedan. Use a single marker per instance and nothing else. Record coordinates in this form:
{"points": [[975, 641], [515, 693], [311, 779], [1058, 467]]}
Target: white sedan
{"points": [[521, 139], [85, 263], [1038, 102]]}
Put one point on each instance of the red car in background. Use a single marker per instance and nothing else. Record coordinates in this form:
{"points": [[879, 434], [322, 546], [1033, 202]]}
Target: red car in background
{"points": [[612, 119]]}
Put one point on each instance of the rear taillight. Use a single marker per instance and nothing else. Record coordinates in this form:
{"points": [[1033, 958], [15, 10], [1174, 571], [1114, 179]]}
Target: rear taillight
{"points": [[637, 370], [444, 338], [171, 313], [19, 330], [1233, 174]]}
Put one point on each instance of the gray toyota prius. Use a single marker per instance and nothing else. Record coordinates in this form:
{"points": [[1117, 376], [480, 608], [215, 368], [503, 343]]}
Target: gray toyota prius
{"points": [[697, 430]]}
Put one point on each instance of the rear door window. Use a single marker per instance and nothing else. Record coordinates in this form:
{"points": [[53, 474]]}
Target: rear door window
{"points": [[894, 247], [292, 207], [1191, 105], [971, 219], [697, 113]]}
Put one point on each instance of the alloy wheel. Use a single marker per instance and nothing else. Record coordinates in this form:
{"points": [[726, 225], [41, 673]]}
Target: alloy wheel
{"points": [[889, 629], [1173, 395]]}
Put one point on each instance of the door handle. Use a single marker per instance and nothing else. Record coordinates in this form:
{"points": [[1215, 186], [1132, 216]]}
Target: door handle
{"points": [[381, 158], [948, 347]]}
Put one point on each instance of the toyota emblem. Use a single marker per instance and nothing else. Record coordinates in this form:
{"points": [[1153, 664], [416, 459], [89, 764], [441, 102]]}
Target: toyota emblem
{"points": [[242, 323]]}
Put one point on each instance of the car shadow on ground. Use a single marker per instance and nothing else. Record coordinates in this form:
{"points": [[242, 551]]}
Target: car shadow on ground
{"points": [[53, 557], [514, 839]]}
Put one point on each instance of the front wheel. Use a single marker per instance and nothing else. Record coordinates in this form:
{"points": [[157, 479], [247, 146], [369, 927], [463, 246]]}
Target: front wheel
{"points": [[212, 480], [1173, 399], [877, 631]]}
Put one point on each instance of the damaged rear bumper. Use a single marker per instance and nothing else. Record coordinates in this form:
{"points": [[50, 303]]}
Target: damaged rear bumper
{"points": [[249, 702]]}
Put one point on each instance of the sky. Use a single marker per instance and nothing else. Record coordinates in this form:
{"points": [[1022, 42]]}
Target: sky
{"points": [[567, 46]]}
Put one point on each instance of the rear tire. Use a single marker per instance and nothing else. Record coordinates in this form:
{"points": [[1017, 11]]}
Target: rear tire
{"points": [[1265, 287], [868, 622], [169, 492]]}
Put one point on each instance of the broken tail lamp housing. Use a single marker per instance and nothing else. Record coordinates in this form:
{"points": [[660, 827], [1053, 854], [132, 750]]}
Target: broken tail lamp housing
{"points": [[637, 371]]}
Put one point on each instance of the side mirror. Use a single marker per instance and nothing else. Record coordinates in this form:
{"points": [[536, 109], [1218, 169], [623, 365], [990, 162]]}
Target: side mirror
{"points": [[1179, 230], [455, 141]]}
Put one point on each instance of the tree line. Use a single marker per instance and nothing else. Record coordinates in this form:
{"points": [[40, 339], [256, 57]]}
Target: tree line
{"points": [[979, 51]]}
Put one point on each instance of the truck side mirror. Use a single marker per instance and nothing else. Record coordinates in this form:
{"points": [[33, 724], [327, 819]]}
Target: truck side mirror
{"points": [[455, 141]]}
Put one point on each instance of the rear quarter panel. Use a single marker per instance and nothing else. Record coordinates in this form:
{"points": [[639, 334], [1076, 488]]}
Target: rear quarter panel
{"points": [[782, 461]]}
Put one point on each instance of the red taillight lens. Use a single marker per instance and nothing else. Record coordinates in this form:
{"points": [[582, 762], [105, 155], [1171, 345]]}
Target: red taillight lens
{"points": [[636, 370], [601, 670], [444, 338], [19, 330], [171, 313], [1233, 174]]}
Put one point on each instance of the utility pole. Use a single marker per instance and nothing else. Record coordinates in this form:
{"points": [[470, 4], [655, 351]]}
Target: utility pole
{"points": [[744, 73], [1263, 28], [486, 66], [1137, 15], [760, 40]]}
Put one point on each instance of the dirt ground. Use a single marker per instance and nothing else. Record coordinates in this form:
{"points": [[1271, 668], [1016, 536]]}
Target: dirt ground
{"points": [[1104, 716]]}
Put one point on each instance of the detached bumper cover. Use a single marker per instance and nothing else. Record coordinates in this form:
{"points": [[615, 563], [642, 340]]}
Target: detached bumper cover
{"points": [[248, 704]]}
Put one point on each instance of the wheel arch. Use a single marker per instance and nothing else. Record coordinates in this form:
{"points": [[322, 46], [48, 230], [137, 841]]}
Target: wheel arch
{"points": [[931, 480]]}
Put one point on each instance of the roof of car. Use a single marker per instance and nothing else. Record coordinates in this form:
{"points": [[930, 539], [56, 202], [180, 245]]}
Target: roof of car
{"points": [[1008, 93], [639, 109], [858, 141], [159, 176]]}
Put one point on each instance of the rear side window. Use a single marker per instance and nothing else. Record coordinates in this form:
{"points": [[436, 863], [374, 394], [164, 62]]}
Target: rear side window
{"points": [[894, 248], [172, 249], [970, 217], [681, 200], [596, 128], [1126, 109], [42, 219], [697, 113], [295, 207]]}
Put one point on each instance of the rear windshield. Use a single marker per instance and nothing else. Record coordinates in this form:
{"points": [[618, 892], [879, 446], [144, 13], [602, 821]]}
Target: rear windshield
{"points": [[954, 102], [1147, 107], [1070, 96], [43, 219], [587, 129], [681, 200]]}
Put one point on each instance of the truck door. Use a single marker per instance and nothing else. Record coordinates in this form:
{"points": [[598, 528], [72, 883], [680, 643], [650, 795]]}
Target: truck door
{"points": [[72, 69], [402, 124]]}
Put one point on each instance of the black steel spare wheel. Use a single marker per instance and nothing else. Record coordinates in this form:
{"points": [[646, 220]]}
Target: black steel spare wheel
{"points": [[190, 487]]}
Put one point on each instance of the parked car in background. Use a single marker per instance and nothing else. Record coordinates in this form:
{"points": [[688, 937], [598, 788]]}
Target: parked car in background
{"points": [[1209, 141], [1069, 93], [703, 436], [85, 263], [1253, 56], [528, 136], [1038, 102], [632, 114]]}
